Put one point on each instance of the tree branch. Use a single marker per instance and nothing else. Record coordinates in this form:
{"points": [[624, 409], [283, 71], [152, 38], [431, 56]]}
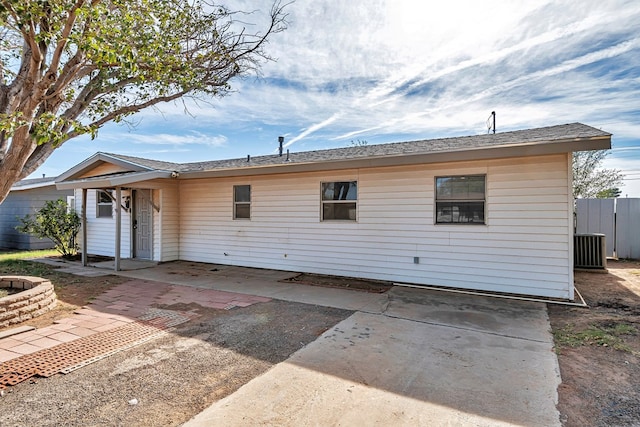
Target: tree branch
{"points": [[64, 36], [83, 70], [132, 109]]}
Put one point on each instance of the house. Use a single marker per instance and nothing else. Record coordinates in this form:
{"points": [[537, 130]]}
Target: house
{"points": [[487, 212], [25, 198]]}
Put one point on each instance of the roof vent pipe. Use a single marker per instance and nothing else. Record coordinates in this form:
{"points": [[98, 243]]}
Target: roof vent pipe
{"points": [[280, 140], [248, 157], [288, 155], [493, 113], [491, 122]]}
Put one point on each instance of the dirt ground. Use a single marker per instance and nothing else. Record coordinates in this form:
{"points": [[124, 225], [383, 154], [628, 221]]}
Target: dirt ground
{"points": [[350, 283], [172, 378], [599, 349], [175, 377]]}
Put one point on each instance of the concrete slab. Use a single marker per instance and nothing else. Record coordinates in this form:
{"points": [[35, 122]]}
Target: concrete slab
{"points": [[251, 281], [259, 282], [125, 264], [84, 271], [328, 297], [522, 319], [95, 269], [375, 370], [409, 357]]}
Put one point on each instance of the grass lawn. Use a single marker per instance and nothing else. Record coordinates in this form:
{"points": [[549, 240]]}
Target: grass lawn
{"points": [[15, 255], [15, 263]]}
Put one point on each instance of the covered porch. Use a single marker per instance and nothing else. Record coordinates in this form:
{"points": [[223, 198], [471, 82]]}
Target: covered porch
{"points": [[137, 206], [127, 212], [119, 203]]}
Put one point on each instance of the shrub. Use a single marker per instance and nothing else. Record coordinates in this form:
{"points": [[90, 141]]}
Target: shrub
{"points": [[56, 222]]}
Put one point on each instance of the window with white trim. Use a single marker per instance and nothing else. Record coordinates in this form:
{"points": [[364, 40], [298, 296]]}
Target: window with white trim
{"points": [[339, 200], [71, 204], [460, 199], [241, 202], [104, 204]]}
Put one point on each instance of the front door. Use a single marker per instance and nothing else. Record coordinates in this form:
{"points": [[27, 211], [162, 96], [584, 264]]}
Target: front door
{"points": [[142, 222]]}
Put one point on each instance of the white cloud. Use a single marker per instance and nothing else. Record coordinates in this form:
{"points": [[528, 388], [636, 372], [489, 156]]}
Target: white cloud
{"points": [[402, 69], [191, 138], [390, 49], [313, 128], [373, 55]]}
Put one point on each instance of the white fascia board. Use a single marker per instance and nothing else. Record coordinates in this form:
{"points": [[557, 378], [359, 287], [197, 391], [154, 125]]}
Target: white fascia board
{"points": [[32, 186], [99, 157], [469, 154], [112, 181]]}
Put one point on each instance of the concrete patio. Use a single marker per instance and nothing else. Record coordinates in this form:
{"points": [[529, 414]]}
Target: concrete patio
{"points": [[406, 357], [428, 359]]}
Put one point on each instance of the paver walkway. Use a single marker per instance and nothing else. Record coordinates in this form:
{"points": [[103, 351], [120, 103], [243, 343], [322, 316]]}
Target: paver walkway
{"points": [[83, 323], [128, 302]]}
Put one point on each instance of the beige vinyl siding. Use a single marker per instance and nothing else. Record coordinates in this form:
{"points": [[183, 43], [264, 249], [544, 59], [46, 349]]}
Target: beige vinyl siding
{"points": [[523, 248], [103, 169]]}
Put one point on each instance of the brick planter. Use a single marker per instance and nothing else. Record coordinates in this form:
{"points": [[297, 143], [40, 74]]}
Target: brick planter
{"points": [[37, 298]]}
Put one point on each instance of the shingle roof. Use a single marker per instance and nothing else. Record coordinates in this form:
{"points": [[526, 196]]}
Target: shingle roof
{"points": [[33, 183], [147, 163], [549, 134]]}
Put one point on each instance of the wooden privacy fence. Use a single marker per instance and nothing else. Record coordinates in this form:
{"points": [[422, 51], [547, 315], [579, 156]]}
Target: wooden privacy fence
{"points": [[618, 219]]}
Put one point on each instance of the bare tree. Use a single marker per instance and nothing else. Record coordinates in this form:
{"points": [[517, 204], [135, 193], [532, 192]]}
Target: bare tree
{"points": [[359, 143], [67, 67], [589, 178]]}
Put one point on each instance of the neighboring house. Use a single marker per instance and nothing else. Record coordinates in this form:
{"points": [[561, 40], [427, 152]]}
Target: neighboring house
{"points": [[26, 197], [486, 212]]}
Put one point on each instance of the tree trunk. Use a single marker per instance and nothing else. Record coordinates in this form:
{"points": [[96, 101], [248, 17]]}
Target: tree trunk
{"points": [[12, 166]]}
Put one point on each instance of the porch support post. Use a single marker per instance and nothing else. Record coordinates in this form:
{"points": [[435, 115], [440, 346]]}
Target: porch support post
{"points": [[84, 227], [118, 227]]}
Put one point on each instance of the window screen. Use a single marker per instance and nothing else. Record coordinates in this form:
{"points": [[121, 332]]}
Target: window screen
{"points": [[460, 199], [241, 202], [104, 205]]}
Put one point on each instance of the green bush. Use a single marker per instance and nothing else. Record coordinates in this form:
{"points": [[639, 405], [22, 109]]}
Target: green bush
{"points": [[56, 222]]}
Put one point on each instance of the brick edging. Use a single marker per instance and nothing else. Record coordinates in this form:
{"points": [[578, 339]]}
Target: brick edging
{"points": [[37, 298]]}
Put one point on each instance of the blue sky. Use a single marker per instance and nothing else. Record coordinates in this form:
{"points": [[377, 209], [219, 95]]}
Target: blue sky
{"points": [[399, 70]]}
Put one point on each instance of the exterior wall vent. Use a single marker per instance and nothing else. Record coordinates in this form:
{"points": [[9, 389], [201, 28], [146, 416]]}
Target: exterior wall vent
{"points": [[590, 251]]}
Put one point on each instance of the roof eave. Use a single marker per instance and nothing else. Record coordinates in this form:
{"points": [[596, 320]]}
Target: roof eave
{"points": [[113, 181], [482, 153], [90, 163], [33, 186]]}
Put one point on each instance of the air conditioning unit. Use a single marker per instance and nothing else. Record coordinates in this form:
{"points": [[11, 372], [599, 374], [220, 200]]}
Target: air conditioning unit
{"points": [[590, 251]]}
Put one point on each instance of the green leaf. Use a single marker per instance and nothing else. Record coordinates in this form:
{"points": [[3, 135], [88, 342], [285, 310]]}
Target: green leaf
{"points": [[56, 222]]}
